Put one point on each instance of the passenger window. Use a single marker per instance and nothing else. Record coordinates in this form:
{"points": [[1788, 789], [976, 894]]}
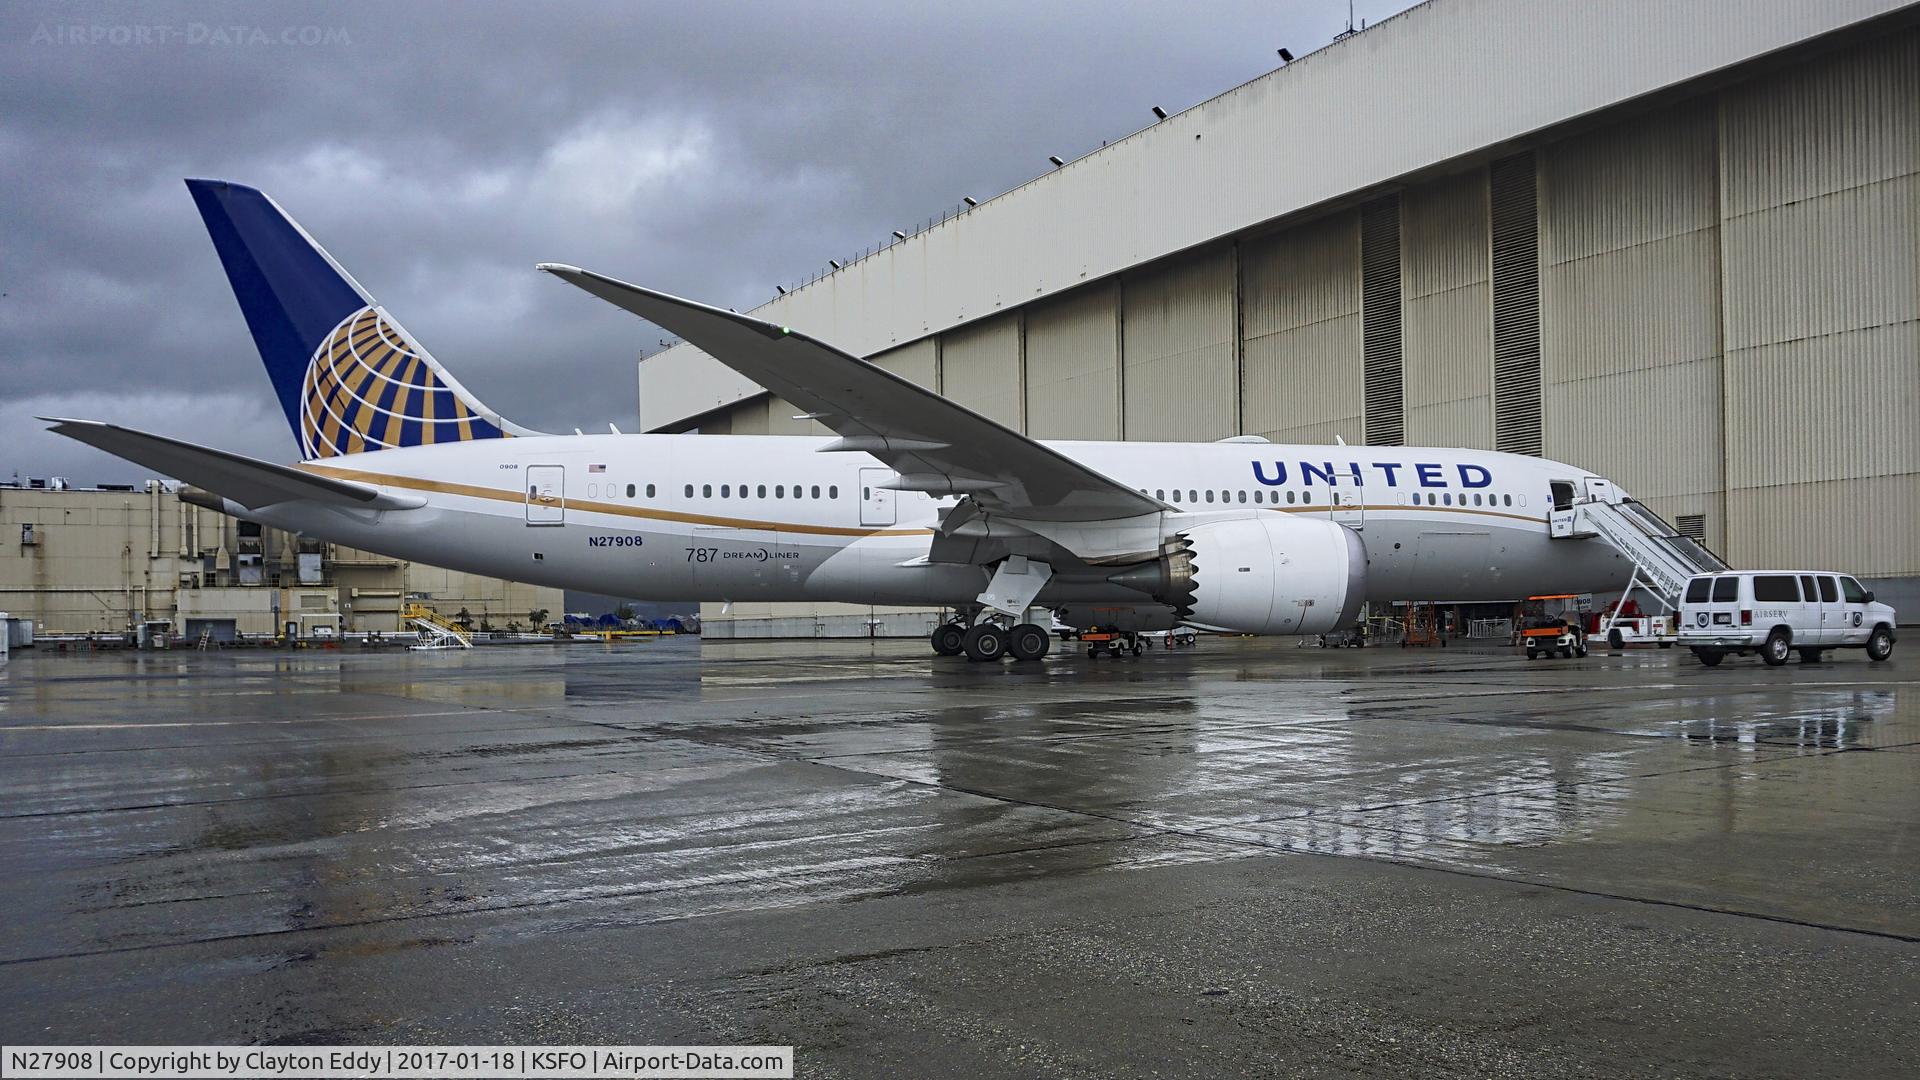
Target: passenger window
{"points": [[816, 491], [1851, 589], [723, 491], [1289, 496], [1726, 590], [629, 491], [689, 491], [1807, 587], [1160, 493], [1509, 499], [1243, 496], [1209, 494], [1828, 594], [1260, 496], [833, 491], [1697, 590], [1775, 589], [706, 491], [1176, 494], [779, 491], [1306, 497], [866, 493], [1193, 496], [1447, 498]]}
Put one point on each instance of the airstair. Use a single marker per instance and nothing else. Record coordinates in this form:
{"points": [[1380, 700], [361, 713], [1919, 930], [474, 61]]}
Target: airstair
{"points": [[1663, 559], [436, 630]]}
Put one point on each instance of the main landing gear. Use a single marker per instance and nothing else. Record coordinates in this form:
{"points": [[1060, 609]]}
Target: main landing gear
{"points": [[991, 641]]}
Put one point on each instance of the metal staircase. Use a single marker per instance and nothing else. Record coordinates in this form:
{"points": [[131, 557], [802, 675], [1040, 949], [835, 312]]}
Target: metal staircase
{"points": [[1663, 559], [436, 631]]}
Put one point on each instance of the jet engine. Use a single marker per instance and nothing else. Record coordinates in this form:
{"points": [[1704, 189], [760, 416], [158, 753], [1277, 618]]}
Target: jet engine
{"points": [[1272, 574]]}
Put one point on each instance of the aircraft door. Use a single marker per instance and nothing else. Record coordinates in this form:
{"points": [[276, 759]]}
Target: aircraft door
{"points": [[1349, 501], [876, 502], [546, 494]]}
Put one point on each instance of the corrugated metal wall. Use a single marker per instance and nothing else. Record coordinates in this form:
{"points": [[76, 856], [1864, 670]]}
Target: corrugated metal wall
{"points": [[1820, 169], [1073, 365], [1446, 337], [919, 362], [980, 368], [1630, 290], [1300, 321], [1179, 376]]}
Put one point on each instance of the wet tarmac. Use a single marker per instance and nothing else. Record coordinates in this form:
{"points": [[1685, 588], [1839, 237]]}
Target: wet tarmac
{"points": [[1244, 859]]}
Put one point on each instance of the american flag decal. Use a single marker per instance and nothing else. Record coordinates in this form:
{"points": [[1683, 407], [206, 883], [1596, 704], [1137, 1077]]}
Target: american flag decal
{"points": [[596, 468]]}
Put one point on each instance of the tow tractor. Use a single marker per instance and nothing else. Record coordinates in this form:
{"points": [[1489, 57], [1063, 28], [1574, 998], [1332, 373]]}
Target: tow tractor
{"points": [[1552, 627], [1111, 642]]}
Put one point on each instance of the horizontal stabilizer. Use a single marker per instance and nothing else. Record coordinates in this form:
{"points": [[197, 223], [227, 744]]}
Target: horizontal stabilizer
{"points": [[248, 481]]}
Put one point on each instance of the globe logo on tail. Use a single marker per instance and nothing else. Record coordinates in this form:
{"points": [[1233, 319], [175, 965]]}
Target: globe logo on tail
{"points": [[368, 387]]}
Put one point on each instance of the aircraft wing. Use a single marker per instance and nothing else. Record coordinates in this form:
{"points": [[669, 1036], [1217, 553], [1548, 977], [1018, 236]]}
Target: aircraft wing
{"points": [[248, 481], [936, 445]]}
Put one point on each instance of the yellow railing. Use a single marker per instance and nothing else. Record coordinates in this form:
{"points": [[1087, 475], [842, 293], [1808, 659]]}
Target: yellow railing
{"points": [[427, 618]]}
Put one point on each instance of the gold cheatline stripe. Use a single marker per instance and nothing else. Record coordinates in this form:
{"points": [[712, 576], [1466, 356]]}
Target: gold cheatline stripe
{"points": [[475, 492]]}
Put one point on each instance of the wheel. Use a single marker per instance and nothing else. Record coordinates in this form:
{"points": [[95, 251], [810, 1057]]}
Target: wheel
{"points": [[1709, 657], [1114, 647], [1093, 652], [1809, 656], [1028, 642], [1615, 639], [1779, 645], [985, 642], [1138, 648], [1880, 645], [949, 639], [1666, 644], [1565, 653], [1533, 654], [1580, 650]]}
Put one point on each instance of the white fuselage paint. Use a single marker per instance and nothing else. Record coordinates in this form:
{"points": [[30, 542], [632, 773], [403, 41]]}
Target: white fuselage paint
{"points": [[850, 543]]}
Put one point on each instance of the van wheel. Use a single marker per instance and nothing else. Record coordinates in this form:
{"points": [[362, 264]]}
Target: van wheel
{"points": [[1777, 648], [1809, 656], [1709, 657], [1880, 645]]}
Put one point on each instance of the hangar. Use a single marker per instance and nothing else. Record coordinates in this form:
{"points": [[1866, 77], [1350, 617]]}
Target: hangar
{"points": [[1676, 243]]}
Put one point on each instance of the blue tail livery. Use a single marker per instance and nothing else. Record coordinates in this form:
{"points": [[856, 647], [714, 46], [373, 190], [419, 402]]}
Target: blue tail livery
{"points": [[348, 376]]}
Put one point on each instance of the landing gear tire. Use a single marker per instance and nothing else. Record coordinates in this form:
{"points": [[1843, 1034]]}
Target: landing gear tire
{"points": [[1028, 641], [1809, 656], [949, 639], [1709, 657], [1880, 644], [985, 642], [1777, 648]]}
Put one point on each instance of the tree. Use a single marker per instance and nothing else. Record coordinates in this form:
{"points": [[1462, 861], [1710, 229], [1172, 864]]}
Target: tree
{"points": [[538, 617]]}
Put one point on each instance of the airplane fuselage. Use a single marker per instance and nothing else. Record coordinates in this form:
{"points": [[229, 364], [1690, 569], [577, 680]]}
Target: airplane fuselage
{"points": [[767, 518]]}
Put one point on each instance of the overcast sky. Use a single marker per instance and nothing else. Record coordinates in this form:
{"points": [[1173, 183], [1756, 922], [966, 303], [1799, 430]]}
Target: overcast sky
{"points": [[440, 150]]}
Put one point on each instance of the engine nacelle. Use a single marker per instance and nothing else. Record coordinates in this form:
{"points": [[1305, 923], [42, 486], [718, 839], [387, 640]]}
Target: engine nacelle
{"points": [[1271, 574]]}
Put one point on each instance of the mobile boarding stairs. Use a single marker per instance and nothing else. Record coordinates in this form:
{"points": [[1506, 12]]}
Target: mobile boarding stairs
{"points": [[1664, 560]]}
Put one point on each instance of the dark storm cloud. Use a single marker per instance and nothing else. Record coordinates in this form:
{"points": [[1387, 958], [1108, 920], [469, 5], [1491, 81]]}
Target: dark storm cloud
{"points": [[440, 150]]}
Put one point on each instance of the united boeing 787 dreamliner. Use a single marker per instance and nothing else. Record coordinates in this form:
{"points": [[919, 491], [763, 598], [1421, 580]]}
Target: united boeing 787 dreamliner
{"points": [[914, 499]]}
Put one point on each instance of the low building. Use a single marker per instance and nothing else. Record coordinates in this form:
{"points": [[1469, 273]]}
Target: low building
{"points": [[110, 560]]}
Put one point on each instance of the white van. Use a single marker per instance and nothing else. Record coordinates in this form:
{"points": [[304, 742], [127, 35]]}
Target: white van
{"points": [[1774, 612]]}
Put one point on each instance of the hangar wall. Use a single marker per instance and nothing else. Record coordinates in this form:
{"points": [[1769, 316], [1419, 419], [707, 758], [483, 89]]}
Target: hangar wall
{"points": [[1713, 298]]}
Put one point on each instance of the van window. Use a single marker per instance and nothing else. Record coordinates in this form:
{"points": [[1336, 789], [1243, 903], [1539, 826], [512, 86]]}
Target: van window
{"points": [[1697, 590], [1807, 588], [1775, 589], [1726, 590], [1828, 594], [1851, 589]]}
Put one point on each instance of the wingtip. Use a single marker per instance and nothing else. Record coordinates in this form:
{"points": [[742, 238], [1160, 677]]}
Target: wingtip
{"points": [[558, 269]]}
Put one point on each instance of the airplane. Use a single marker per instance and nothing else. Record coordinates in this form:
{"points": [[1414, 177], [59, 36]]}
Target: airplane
{"points": [[913, 499]]}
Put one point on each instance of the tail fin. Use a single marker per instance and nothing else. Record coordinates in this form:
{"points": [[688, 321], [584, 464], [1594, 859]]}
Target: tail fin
{"points": [[349, 377]]}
